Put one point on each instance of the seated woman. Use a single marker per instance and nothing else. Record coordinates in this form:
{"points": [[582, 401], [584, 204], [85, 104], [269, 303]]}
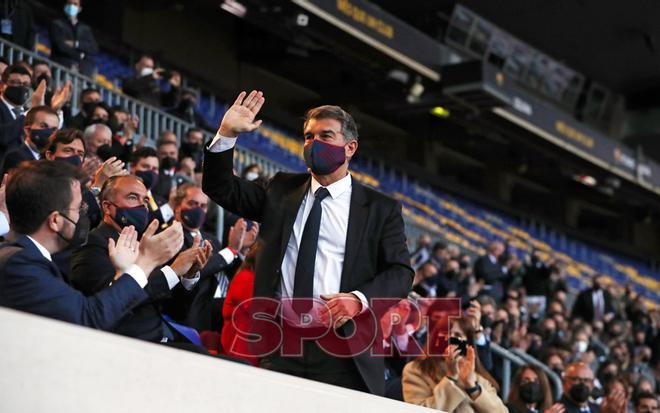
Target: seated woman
{"points": [[455, 383], [530, 392]]}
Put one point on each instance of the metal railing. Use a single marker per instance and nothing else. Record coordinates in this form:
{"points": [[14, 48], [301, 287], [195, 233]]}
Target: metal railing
{"points": [[153, 121], [519, 358]]}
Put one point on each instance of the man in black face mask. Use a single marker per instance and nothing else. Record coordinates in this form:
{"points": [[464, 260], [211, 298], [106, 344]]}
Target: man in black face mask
{"points": [[47, 214], [16, 87], [40, 123], [578, 383], [169, 176], [192, 146], [186, 110], [88, 98]]}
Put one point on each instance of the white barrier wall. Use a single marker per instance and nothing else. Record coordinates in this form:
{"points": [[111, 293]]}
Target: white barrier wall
{"points": [[51, 366]]}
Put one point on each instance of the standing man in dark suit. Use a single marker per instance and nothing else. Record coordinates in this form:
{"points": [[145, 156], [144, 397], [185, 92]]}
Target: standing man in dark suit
{"points": [[73, 42], [47, 215], [123, 201], [324, 235], [594, 303], [490, 273], [40, 123]]}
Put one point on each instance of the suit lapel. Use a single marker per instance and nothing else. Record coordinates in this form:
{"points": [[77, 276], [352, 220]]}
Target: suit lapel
{"points": [[357, 221], [292, 201]]}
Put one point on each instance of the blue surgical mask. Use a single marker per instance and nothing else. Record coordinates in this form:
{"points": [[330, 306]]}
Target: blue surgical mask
{"points": [[193, 218], [71, 10], [74, 160], [136, 216]]}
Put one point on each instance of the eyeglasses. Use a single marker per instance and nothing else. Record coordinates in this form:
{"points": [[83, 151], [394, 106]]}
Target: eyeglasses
{"points": [[82, 210]]}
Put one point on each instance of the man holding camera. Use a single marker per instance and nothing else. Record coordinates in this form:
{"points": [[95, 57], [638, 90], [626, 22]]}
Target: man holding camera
{"points": [[146, 86]]}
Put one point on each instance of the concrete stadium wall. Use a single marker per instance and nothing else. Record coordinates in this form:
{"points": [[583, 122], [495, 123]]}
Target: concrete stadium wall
{"points": [[51, 366]]}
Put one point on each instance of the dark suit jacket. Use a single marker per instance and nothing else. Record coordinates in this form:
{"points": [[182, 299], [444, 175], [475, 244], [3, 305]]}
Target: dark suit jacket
{"points": [[165, 184], [376, 260], [62, 30], [92, 272], [29, 282], [491, 273], [571, 407], [11, 130], [15, 156], [584, 305], [147, 89], [201, 310]]}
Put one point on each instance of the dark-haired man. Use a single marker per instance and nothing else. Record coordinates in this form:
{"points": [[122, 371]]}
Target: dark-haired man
{"points": [[145, 165], [16, 87], [47, 214], [73, 42], [88, 98], [325, 236], [40, 123], [144, 85]]}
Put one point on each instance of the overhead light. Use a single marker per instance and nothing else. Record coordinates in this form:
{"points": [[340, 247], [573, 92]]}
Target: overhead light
{"points": [[234, 7], [440, 112], [416, 91], [302, 19]]}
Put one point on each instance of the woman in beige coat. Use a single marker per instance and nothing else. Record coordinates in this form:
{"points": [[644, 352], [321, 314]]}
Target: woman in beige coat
{"points": [[454, 383]]}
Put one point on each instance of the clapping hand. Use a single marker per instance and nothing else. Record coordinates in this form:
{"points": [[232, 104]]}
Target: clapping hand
{"points": [[240, 116], [339, 309], [124, 252], [61, 96], [157, 249]]}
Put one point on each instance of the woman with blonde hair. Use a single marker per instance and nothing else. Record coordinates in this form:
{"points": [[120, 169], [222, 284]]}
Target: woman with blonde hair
{"points": [[455, 383]]}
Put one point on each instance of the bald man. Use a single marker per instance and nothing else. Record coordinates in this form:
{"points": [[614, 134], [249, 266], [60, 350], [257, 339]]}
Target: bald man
{"points": [[578, 383]]}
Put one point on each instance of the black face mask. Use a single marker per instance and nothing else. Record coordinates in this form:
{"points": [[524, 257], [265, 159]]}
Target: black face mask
{"points": [[579, 393], [187, 105], [104, 152], [558, 371], [451, 274], [189, 148], [88, 107], [607, 376], [17, 95], [486, 321], [79, 237], [530, 392], [45, 77], [40, 137], [168, 163]]}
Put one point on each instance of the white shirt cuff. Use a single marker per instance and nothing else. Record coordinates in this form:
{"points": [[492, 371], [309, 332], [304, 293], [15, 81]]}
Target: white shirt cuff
{"points": [[227, 255], [481, 340], [401, 341], [170, 276], [166, 212], [221, 143], [363, 300], [138, 275], [189, 283], [4, 225], [60, 115]]}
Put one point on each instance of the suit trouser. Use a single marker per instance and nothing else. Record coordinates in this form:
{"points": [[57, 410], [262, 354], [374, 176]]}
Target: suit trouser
{"points": [[315, 364]]}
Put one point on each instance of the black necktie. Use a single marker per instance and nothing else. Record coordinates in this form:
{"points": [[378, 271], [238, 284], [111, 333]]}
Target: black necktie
{"points": [[17, 112], [303, 284]]}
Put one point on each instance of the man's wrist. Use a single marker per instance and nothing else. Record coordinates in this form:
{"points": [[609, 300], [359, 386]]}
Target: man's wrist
{"points": [[226, 132]]}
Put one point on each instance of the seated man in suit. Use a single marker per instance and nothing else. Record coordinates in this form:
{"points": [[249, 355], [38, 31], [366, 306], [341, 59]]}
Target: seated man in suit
{"points": [[578, 383], [205, 310], [324, 236], [123, 200], [145, 164], [39, 124], [169, 176], [47, 215], [489, 272], [16, 85]]}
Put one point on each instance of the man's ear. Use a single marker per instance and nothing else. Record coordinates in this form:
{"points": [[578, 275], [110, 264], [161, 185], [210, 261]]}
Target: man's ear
{"points": [[105, 207], [53, 221], [350, 148], [49, 155]]}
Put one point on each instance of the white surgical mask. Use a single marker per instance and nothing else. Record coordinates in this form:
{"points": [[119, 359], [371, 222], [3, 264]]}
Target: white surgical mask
{"points": [[581, 346], [251, 176], [146, 71], [71, 10]]}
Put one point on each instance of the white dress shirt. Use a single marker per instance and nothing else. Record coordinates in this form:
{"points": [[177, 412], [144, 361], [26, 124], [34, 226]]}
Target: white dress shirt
{"points": [[4, 225], [331, 245], [12, 107]]}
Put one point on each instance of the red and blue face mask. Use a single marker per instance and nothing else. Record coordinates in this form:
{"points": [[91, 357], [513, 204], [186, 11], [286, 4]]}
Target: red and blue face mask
{"points": [[323, 158]]}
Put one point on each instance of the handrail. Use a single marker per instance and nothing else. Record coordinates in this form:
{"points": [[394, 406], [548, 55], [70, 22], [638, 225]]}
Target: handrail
{"points": [[153, 121], [507, 359], [554, 377]]}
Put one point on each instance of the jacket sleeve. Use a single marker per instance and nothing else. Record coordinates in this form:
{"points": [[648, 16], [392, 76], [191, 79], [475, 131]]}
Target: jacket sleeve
{"points": [[31, 287], [91, 268], [58, 36], [242, 197], [87, 42], [395, 276]]}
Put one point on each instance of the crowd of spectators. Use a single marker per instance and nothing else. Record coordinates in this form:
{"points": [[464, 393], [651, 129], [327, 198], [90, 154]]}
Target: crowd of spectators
{"points": [[87, 204]]}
